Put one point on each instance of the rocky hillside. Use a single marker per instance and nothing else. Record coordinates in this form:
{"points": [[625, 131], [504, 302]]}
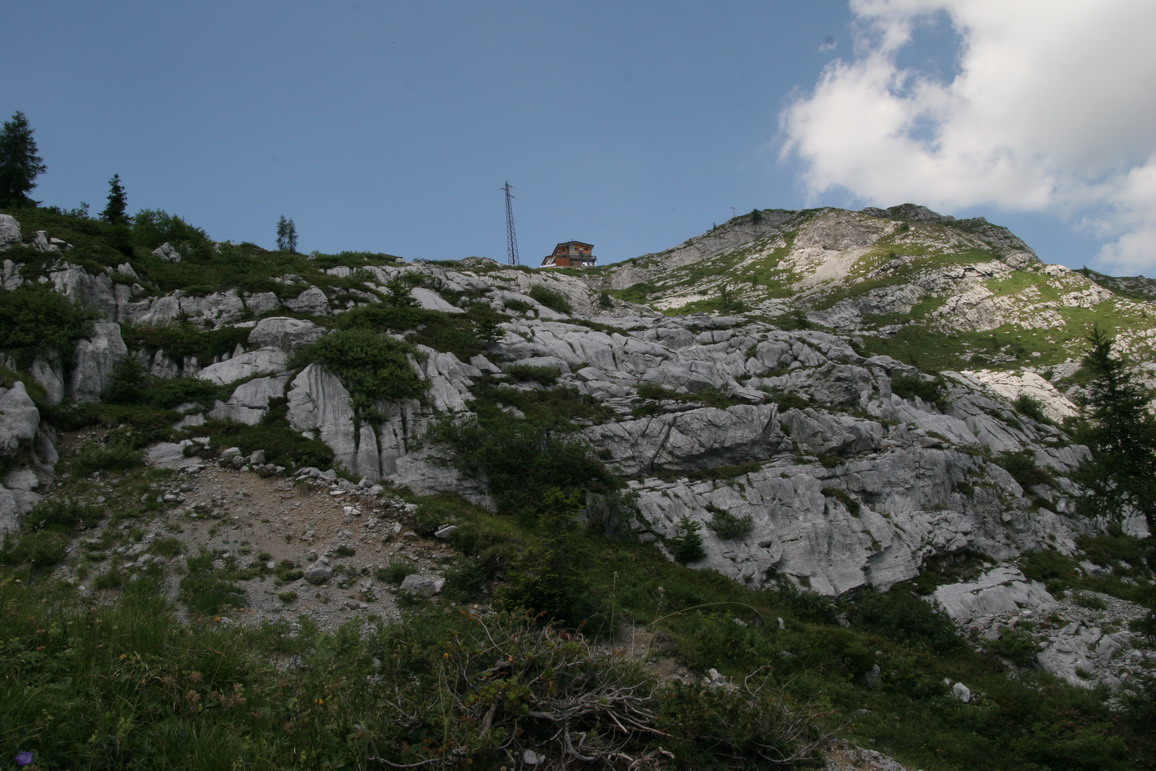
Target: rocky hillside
{"points": [[826, 401]]}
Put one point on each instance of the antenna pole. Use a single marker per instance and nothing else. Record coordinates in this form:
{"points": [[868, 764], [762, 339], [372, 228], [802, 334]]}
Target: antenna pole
{"points": [[511, 236]]}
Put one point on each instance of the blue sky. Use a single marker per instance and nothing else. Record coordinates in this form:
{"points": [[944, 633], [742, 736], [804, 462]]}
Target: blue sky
{"points": [[633, 125]]}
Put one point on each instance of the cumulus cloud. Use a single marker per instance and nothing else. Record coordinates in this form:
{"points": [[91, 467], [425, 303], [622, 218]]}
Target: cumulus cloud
{"points": [[1048, 107]]}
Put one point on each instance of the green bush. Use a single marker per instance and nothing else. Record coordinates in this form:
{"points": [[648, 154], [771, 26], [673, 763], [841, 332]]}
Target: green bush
{"points": [[686, 543], [1051, 568], [916, 386], [395, 571], [37, 321], [383, 316], [546, 376], [902, 617], [1023, 468], [120, 454], [551, 298], [730, 526], [180, 340], [372, 366], [854, 508], [1032, 408], [521, 460], [282, 445], [152, 227]]}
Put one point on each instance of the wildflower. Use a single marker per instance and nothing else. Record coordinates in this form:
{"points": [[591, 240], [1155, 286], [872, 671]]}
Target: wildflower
{"points": [[24, 758]]}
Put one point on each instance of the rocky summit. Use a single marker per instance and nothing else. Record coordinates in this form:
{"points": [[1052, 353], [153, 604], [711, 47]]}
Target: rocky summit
{"points": [[825, 402]]}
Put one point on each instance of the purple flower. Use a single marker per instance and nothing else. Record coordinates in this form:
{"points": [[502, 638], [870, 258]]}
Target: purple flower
{"points": [[23, 758]]}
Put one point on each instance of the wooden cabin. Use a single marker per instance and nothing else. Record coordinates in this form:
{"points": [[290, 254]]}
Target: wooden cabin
{"points": [[571, 254]]}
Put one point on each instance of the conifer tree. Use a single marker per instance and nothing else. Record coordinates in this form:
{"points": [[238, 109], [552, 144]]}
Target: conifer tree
{"points": [[19, 163], [117, 203], [1121, 433], [286, 235]]}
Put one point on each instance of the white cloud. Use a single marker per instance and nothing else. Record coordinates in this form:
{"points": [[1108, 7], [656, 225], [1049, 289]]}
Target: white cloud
{"points": [[1050, 106]]}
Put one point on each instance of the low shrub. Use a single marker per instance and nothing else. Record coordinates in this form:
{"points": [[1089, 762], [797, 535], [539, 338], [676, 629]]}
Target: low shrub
{"points": [[37, 321], [372, 366], [521, 460], [1051, 568], [900, 616], [1024, 469], [916, 386], [116, 455], [182, 339], [207, 590], [396, 571], [551, 298], [1031, 407], [730, 526], [854, 508], [45, 533], [282, 445], [546, 376]]}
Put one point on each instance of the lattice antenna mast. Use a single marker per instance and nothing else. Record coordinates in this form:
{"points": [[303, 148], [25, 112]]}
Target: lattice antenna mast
{"points": [[511, 236]]}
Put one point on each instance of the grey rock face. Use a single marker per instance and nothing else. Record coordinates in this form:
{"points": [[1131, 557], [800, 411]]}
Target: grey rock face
{"points": [[689, 440], [19, 419], [9, 231], [286, 334], [29, 451], [1095, 647], [319, 405], [250, 400], [95, 359]]}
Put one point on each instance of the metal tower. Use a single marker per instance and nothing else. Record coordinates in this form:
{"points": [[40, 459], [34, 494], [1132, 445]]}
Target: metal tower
{"points": [[511, 236]]}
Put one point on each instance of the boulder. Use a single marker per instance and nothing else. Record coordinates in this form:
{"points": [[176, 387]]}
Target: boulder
{"points": [[9, 231], [284, 333], [171, 455], [432, 301], [260, 362], [19, 419], [318, 573], [421, 585], [250, 401], [167, 252], [262, 304], [312, 302], [999, 596]]}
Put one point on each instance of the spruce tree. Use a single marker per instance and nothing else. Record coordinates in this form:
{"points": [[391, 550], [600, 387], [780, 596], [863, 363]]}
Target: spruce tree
{"points": [[117, 203], [19, 163], [286, 235], [1121, 433]]}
